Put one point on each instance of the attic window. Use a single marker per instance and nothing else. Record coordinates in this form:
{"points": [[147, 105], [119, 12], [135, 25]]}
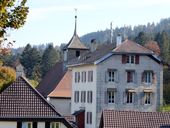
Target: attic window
{"points": [[77, 53]]}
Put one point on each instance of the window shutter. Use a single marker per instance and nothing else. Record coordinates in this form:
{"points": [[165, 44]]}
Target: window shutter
{"points": [[105, 97], [34, 124], [19, 124], [142, 77], [124, 97], [106, 76], [154, 79], [123, 59], [137, 59], [47, 124], [135, 97], [142, 98]]}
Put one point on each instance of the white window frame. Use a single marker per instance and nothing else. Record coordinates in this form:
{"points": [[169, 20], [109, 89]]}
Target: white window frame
{"points": [[89, 118], [147, 98], [89, 97], [110, 96], [76, 96], [83, 96], [26, 125], [54, 125], [77, 77], [130, 59], [111, 75], [90, 76], [83, 76], [148, 75], [129, 97]]}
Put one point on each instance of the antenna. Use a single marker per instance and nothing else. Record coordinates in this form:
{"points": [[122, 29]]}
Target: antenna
{"points": [[75, 30], [111, 32]]}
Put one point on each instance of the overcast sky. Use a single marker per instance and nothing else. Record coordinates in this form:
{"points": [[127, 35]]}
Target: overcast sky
{"points": [[53, 20]]}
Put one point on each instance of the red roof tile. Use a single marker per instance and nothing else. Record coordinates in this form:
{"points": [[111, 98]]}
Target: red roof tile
{"points": [[63, 89], [131, 47], [134, 119], [22, 100]]}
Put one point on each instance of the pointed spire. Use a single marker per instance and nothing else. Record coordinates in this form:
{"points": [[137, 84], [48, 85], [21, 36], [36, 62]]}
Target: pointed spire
{"points": [[75, 30]]}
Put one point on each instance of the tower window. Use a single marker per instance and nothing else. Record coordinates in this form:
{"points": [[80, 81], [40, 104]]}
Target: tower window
{"points": [[77, 53]]}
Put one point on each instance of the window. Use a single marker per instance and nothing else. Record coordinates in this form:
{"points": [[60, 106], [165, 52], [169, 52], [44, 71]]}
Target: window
{"points": [[90, 76], [76, 96], [83, 76], [26, 124], [130, 59], [89, 118], [130, 76], [111, 96], [147, 98], [129, 97], [89, 96], [54, 125], [111, 75], [147, 77], [77, 77], [83, 96], [77, 53]]}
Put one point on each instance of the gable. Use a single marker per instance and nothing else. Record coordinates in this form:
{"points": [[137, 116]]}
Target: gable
{"points": [[21, 100]]}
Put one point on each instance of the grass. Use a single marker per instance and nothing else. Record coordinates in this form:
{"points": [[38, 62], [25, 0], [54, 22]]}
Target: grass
{"points": [[165, 108]]}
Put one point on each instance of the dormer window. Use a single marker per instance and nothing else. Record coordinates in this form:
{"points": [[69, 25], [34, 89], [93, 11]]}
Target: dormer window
{"points": [[77, 53], [130, 59]]}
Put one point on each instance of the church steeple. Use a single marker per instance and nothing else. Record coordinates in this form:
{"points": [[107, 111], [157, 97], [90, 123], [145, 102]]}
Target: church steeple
{"points": [[75, 29]]}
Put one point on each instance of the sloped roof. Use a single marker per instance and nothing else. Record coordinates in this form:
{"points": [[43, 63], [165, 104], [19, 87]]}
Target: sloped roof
{"points": [[51, 79], [129, 46], [22, 100], [75, 43], [89, 57], [134, 119], [63, 89]]}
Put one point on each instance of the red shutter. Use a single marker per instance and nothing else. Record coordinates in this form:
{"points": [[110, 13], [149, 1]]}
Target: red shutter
{"points": [[123, 59], [137, 59]]}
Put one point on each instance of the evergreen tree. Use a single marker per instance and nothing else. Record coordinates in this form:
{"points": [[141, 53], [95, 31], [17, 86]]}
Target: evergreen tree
{"points": [[142, 38], [49, 58], [31, 59]]}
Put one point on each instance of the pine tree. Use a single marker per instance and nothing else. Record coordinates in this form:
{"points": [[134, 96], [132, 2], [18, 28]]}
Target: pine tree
{"points": [[49, 58]]}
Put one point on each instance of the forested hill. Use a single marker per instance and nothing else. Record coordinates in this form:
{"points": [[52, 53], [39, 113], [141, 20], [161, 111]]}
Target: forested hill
{"points": [[150, 31]]}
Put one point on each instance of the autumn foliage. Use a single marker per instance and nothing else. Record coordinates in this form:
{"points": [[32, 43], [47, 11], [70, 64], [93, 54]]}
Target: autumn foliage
{"points": [[7, 76]]}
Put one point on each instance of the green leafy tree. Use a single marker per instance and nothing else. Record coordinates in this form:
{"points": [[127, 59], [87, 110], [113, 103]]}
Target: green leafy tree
{"points": [[142, 38], [31, 60], [7, 76], [49, 58], [13, 15]]}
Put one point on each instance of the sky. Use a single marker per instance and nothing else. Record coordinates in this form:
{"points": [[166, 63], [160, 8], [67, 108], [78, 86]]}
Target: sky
{"points": [[53, 20]]}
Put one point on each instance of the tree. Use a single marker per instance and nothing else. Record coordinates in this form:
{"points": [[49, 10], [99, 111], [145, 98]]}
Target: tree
{"points": [[7, 76], [13, 15], [31, 60], [49, 58], [142, 38]]}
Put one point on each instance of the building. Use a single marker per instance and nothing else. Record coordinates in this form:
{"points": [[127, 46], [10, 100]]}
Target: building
{"points": [[18, 68], [22, 106], [57, 84], [60, 97], [128, 77], [134, 119]]}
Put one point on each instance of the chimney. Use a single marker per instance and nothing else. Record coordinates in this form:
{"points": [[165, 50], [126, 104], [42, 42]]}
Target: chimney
{"points": [[93, 45], [118, 40]]}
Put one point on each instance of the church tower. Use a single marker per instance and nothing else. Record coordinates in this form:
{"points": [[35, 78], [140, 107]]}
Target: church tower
{"points": [[75, 47]]}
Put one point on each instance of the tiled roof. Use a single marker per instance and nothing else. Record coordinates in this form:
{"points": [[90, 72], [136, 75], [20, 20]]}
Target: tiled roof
{"points": [[21, 100], [51, 79], [129, 46], [75, 43], [90, 57], [63, 89], [134, 119]]}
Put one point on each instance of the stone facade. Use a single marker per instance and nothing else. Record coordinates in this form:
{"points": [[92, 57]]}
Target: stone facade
{"points": [[101, 85]]}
